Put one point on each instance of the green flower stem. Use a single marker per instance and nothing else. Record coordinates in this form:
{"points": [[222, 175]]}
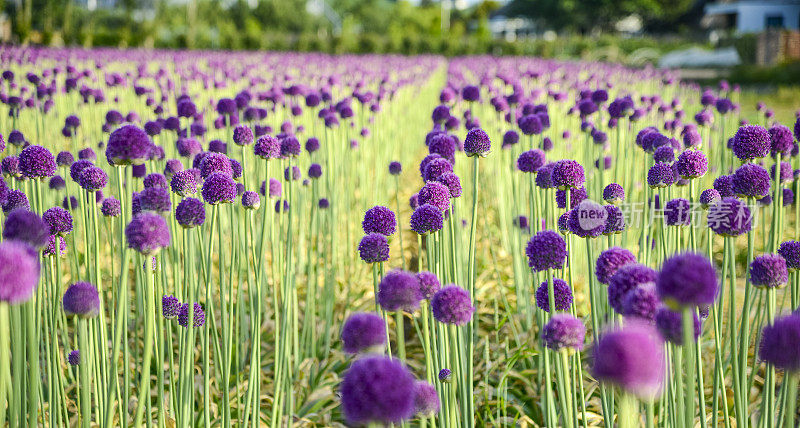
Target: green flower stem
{"points": [[148, 337]]}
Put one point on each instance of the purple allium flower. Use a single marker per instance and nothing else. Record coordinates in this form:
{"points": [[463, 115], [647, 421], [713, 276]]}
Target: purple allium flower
{"points": [[562, 295], [780, 343], [615, 220], [267, 147], [242, 135], [74, 357], [147, 233], [785, 175], [724, 185], [440, 113], [56, 183], [219, 188], [10, 166], [687, 280], [678, 212], [399, 291], [190, 212], [155, 180], [452, 305], [641, 303], [183, 183], [395, 168], [377, 389], [77, 167], [709, 197], [670, 324], [750, 142], [769, 271], [188, 147], [613, 193], [111, 207], [691, 138], [452, 182], [435, 168], [436, 194], [531, 160], [632, 358], [428, 283], [471, 93], [587, 220], [363, 333], [218, 146], [294, 175], [19, 272], [379, 219], [564, 331], [443, 145], [544, 176], [610, 261], [315, 171], [213, 163], [154, 199], [781, 140], [290, 146], [81, 299], [625, 279], [790, 251], [64, 159], [170, 306], [660, 175], [87, 154], [730, 217], [128, 145], [530, 124], [373, 248], [15, 199], [50, 249], [510, 138], [36, 162], [567, 173], [323, 203], [426, 400], [198, 315], [477, 143], [58, 220], [172, 167], [92, 178], [664, 154], [26, 226], [751, 181], [692, 164], [251, 200], [546, 250], [426, 218], [445, 375]]}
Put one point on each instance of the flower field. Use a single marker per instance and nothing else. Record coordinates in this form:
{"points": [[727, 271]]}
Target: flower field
{"points": [[198, 239]]}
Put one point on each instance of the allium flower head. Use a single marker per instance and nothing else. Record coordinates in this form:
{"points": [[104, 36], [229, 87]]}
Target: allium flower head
{"points": [[92, 178], [15, 199], [395, 168], [26, 226], [213, 163], [111, 207], [692, 164], [290, 146], [562, 295], [74, 357], [452, 305], [198, 316], [170, 306], [267, 147], [363, 333], [530, 124], [780, 343], [219, 188], [564, 331], [631, 358], [379, 219], [183, 183], [613, 194], [678, 212], [544, 176], [428, 284], [687, 279], [670, 324], [128, 145], [19, 272], [377, 389], [436, 194], [751, 142], [477, 143], [426, 400], [751, 181], [576, 196], [588, 219], [242, 135], [36, 162], [373, 248], [660, 175], [190, 212], [615, 220], [769, 271], [709, 197], [567, 173], [625, 279], [426, 218], [452, 182], [664, 154], [790, 251], [546, 250], [435, 168], [610, 261], [81, 299], [147, 233], [155, 180], [445, 375], [531, 160], [399, 290], [781, 140], [642, 303], [58, 220], [730, 217]]}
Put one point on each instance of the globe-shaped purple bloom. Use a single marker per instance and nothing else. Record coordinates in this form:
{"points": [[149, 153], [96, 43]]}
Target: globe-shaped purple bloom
{"points": [[128, 145], [724, 185], [709, 197], [170, 306], [452, 305], [250, 200], [625, 279], [546, 250], [219, 188], [531, 160], [562, 295], [780, 343], [155, 180], [687, 279], [155, 199], [435, 168], [769, 271], [395, 168], [190, 212], [111, 207], [452, 182], [183, 183], [642, 303], [19, 272], [445, 375], [631, 358], [790, 251], [678, 212], [147, 233], [426, 400], [477, 143], [58, 220], [610, 261], [428, 284], [564, 331], [267, 147], [215, 163], [64, 159], [781, 140], [399, 291], [670, 324], [615, 220], [36, 162], [242, 135], [436, 194], [730, 217], [426, 218], [81, 299], [751, 142], [374, 248], [692, 164], [613, 193], [92, 178], [290, 146], [587, 220], [751, 181], [188, 147], [363, 332], [15, 199], [379, 219], [660, 175], [567, 173], [530, 124], [26, 226], [664, 154], [377, 389]]}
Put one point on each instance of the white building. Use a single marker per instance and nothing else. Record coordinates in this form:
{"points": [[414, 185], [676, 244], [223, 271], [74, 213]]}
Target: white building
{"points": [[754, 16]]}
